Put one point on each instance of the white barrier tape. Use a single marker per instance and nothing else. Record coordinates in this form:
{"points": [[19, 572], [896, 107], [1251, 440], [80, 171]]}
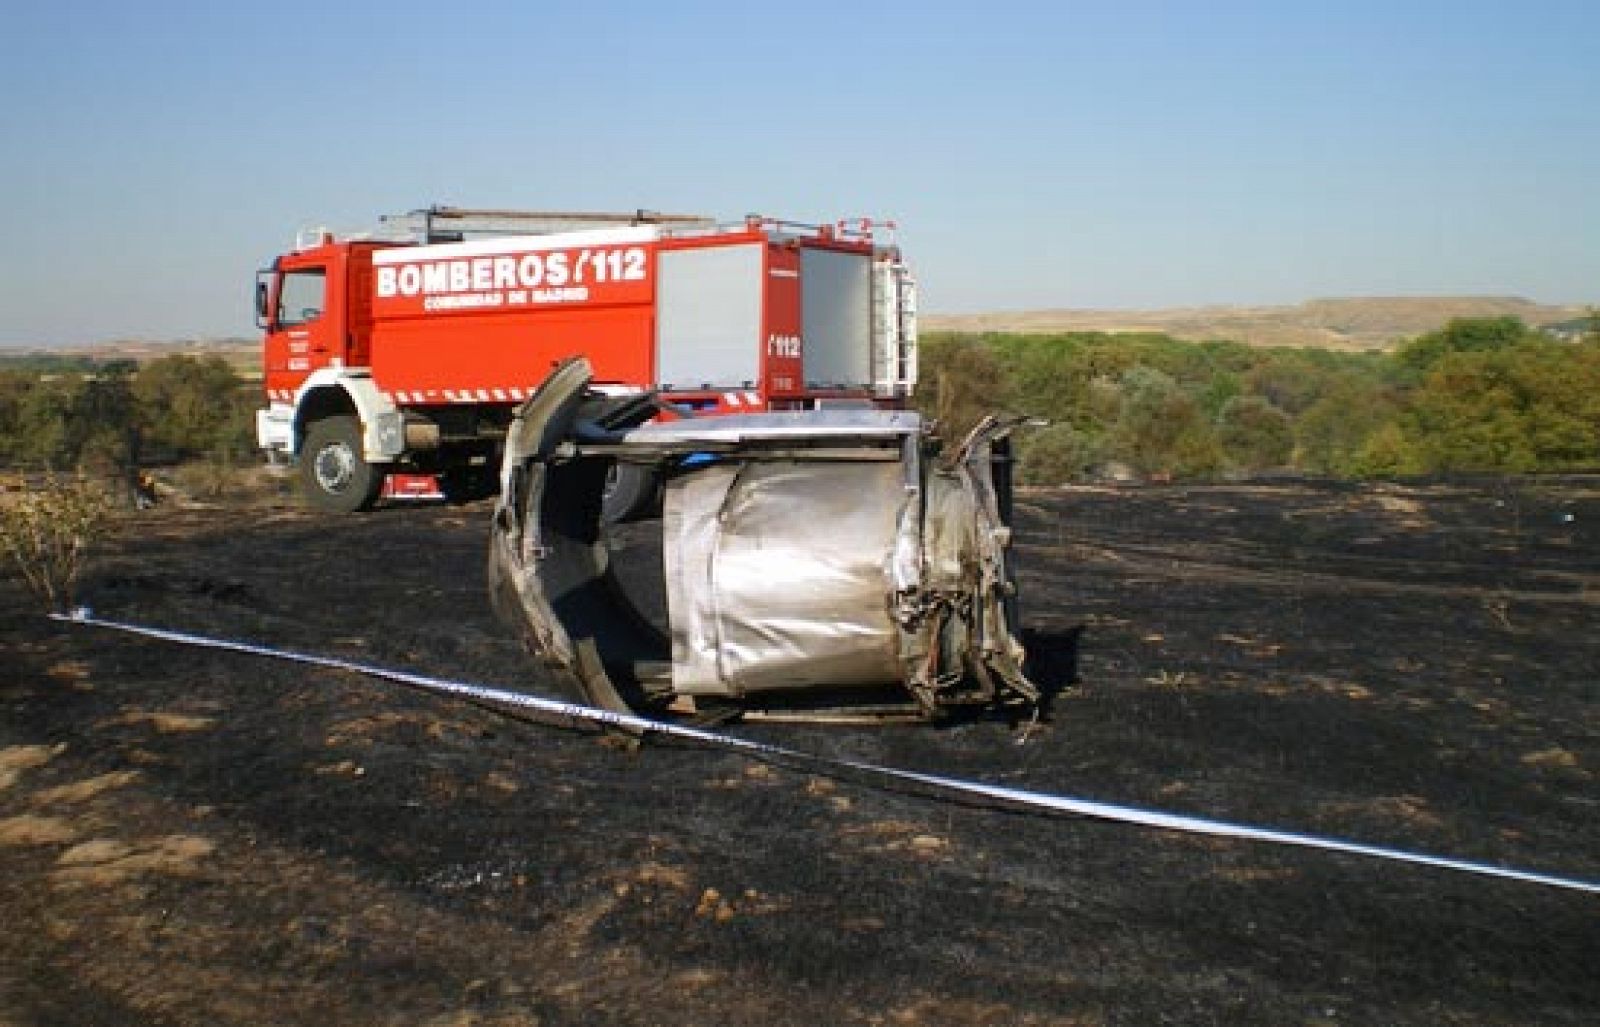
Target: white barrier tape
{"points": [[1017, 796]]}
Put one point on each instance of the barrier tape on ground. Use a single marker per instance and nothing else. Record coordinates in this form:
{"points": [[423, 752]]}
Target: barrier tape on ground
{"points": [[1015, 796]]}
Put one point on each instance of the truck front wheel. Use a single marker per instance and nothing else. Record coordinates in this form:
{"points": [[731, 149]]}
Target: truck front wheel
{"points": [[332, 474]]}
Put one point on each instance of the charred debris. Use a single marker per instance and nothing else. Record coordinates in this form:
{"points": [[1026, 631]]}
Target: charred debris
{"points": [[826, 564]]}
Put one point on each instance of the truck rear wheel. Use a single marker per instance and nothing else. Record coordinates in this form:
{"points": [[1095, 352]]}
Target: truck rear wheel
{"points": [[333, 476]]}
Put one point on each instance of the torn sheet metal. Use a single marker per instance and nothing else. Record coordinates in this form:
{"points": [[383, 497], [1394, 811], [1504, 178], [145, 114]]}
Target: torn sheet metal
{"points": [[804, 554]]}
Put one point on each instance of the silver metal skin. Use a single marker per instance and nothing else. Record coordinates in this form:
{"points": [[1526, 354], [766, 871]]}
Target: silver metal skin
{"points": [[811, 559], [776, 576]]}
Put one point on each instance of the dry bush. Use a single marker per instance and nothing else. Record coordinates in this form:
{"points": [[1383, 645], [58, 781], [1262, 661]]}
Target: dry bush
{"points": [[47, 529], [223, 479], [1057, 454], [212, 478]]}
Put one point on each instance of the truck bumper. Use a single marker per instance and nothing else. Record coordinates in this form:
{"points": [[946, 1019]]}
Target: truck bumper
{"points": [[385, 437], [275, 428]]}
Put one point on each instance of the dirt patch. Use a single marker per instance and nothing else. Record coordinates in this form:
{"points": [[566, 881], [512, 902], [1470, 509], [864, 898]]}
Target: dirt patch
{"points": [[74, 672], [106, 861], [364, 730], [1408, 512], [1407, 814], [1554, 757], [166, 723], [31, 829], [83, 791], [15, 759]]}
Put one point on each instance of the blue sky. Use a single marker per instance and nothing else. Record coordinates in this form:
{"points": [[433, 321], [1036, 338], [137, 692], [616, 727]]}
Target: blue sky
{"points": [[1071, 154]]}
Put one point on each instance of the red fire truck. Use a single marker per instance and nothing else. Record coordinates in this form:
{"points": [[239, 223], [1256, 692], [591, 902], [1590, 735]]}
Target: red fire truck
{"points": [[394, 362]]}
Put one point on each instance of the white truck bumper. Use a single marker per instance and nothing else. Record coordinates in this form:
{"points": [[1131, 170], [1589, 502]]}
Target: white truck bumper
{"points": [[275, 428]]}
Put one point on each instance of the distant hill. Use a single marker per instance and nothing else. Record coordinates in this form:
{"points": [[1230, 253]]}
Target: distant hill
{"points": [[1355, 323], [243, 354], [1347, 323]]}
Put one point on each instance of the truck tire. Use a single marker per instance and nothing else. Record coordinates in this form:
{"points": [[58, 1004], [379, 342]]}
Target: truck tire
{"points": [[333, 476], [631, 492]]}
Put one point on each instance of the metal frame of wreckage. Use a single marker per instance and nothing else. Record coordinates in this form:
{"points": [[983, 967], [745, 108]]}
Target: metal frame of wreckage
{"points": [[822, 564]]}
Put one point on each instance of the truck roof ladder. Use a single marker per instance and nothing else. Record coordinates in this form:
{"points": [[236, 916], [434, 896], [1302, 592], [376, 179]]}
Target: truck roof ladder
{"points": [[439, 224]]}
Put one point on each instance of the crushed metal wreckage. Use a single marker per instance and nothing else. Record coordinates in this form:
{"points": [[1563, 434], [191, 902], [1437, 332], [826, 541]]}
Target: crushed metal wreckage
{"points": [[815, 563]]}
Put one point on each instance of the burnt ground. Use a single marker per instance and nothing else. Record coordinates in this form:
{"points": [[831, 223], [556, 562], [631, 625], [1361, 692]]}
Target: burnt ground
{"points": [[188, 836]]}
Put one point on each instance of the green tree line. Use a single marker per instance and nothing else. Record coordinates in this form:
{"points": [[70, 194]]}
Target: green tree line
{"points": [[1479, 395], [115, 416]]}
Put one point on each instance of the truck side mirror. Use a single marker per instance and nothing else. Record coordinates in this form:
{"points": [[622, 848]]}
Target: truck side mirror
{"points": [[263, 294]]}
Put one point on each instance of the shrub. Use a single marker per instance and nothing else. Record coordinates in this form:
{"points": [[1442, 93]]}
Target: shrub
{"points": [[962, 382], [1056, 454], [47, 530], [1256, 435], [215, 477], [1161, 428]]}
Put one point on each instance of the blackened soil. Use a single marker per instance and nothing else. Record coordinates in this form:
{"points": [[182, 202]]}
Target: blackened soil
{"points": [[190, 836]]}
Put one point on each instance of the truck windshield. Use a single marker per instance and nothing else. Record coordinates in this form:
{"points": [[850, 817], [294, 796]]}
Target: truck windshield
{"points": [[301, 296]]}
